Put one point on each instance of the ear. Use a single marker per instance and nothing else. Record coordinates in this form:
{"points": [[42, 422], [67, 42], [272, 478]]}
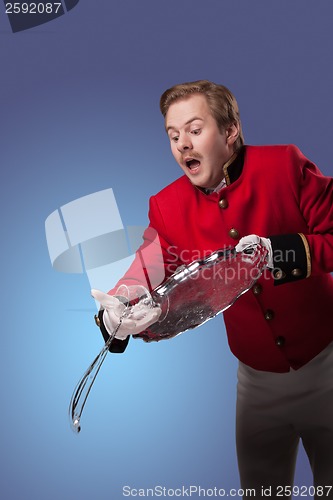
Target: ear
{"points": [[232, 133]]}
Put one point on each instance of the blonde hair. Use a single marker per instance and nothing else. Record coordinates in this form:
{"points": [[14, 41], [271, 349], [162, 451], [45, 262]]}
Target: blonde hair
{"points": [[221, 101]]}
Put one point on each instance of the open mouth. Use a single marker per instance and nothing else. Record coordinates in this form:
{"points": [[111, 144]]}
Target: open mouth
{"points": [[192, 163]]}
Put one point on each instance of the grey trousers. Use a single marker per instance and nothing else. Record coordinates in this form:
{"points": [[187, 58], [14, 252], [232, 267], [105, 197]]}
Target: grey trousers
{"points": [[275, 411]]}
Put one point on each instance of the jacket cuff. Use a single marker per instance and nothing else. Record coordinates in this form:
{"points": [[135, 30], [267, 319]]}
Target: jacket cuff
{"points": [[291, 258], [117, 345]]}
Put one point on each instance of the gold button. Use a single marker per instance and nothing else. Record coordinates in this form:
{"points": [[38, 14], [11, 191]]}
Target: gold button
{"points": [[257, 289], [280, 341], [97, 320], [223, 203], [234, 234], [296, 273], [269, 315], [279, 274]]}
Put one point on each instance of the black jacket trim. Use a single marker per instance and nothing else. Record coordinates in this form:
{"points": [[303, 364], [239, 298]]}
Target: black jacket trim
{"points": [[117, 346], [291, 258], [234, 169]]}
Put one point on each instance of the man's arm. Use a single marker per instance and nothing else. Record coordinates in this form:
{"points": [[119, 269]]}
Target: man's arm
{"points": [[154, 262], [298, 256]]}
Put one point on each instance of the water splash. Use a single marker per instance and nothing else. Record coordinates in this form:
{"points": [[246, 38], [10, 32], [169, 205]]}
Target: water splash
{"points": [[191, 296]]}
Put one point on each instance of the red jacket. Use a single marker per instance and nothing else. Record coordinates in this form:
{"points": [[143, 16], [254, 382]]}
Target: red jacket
{"points": [[272, 191]]}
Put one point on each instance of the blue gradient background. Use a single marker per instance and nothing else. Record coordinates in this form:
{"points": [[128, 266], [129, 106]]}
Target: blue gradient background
{"points": [[79, 113]]}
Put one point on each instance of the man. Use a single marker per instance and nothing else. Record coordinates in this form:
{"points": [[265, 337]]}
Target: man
{"points": [[281, 330]]}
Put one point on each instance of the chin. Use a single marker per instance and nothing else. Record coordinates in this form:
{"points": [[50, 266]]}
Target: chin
{"points": [[199, 184]]}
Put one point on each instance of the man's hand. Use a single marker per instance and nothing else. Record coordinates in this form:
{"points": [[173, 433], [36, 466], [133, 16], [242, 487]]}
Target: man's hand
{"points": [[251, 241], [140, 317]]}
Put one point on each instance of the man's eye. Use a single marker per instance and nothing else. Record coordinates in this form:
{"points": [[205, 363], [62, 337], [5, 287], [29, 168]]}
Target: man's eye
{"points": [[196, 131], [175, 138]]}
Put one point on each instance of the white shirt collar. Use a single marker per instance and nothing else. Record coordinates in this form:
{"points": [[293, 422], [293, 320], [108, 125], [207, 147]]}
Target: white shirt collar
{"points": [[218, 188]]}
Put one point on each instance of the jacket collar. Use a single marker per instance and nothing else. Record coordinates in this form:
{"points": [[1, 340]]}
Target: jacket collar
{"points": [[234, 166]]}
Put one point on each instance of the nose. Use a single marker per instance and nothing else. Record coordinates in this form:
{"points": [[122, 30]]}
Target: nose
{"points": [[184, 143]]}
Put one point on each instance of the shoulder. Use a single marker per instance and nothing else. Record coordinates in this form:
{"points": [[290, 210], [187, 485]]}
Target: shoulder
{"points": [[273, 151], [179, 187], [166, 208], [286, 158]]}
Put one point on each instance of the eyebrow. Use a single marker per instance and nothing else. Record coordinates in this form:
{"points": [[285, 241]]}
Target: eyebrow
{"points": [[186, 123]]}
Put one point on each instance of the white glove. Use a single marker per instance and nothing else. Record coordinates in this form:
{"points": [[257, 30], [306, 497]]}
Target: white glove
{"points": [[140, 315], [251, 241]]}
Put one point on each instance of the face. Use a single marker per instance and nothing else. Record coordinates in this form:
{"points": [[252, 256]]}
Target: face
{"points": [[199, 147]]}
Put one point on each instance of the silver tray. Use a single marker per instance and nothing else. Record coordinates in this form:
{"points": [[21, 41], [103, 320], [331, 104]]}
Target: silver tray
{"points": [[197, 292]]}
